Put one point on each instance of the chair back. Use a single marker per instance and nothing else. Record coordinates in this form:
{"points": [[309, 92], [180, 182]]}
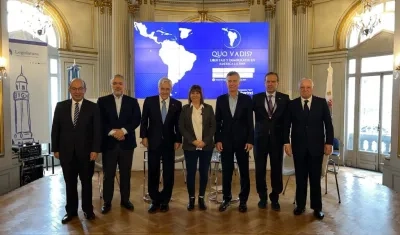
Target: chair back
{"points": [[288, 165], [335, 144]]}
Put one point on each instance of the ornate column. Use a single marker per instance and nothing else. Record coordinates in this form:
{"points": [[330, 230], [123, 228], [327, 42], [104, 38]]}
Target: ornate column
{"points": [[270, 17], [146, 10], [120, 40], [257, 10], [284, 42], [300, 43], [104, 45]]}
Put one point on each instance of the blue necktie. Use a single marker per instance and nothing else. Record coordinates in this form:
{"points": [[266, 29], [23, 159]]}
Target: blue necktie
{"points": [[163, 111]]}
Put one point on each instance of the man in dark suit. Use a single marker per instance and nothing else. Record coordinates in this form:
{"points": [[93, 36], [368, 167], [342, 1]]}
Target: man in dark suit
{"points": [[234, 137], [159, 131], [269, 108], [311, 137], [75, 140], [120, 115]]}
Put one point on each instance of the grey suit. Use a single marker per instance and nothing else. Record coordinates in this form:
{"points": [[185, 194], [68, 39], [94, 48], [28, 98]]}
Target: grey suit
{"points": [[191, 154], [187, 130]]}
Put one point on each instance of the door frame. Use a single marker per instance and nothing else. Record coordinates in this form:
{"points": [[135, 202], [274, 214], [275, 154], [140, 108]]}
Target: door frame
{"points": [[354, 153]]}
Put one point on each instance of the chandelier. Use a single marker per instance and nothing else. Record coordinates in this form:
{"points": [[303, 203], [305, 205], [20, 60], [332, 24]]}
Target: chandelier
{"points": [[36, 21], [368, 20]]}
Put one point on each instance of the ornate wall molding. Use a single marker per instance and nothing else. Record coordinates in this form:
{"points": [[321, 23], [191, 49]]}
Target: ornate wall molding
{"points": [[133, 8], [210, 18], [216, 2], [103, 4], [301, 3]]}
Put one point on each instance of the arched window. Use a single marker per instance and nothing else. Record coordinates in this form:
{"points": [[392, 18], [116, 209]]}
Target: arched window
{"points": [[386, 11], [369, 91], [18, 11]]}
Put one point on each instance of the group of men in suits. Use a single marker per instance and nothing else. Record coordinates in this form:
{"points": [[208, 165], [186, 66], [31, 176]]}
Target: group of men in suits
{"points": [[82, 129]]}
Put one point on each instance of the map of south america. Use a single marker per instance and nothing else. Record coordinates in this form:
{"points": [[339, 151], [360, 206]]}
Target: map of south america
{"points": [[175, 56]]}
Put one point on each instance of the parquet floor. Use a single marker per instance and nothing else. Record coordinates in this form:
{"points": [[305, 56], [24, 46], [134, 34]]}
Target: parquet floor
{"points": [[367, 208]]}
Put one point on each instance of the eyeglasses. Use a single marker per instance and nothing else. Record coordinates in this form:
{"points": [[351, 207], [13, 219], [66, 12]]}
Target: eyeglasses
{"points": [[74, 89]]}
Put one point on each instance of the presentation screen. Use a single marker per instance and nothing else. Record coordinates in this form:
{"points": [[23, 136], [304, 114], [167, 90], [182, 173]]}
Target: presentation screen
{"points": [[199, 53]]}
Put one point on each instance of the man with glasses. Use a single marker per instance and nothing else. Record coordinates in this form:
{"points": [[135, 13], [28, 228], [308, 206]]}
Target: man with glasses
{"points": [[75, 141]]}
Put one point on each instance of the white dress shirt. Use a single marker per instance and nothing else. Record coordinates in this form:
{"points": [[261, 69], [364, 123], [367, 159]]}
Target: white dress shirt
{"points": [[308, 104], [118, 103], [166, 103], [73, 108], [197, 122], [272, 100]]}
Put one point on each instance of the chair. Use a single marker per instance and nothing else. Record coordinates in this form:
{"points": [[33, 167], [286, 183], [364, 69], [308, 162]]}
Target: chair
{"points": [[179, 157], [46, 153], [290, 171], [217, 189], [287, 169], [335, 156], [98, 169]]}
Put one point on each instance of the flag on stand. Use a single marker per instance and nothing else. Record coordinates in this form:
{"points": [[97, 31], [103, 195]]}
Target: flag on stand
{"points": [[329, 87]]}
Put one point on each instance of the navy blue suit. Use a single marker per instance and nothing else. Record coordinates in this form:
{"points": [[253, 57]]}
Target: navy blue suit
{"points": [[234, 132], [309, 134], [161, 139], [116, 151]]}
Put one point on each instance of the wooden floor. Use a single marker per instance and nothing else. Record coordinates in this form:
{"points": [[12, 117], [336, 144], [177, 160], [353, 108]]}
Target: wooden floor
{"points": [[367, 208]]}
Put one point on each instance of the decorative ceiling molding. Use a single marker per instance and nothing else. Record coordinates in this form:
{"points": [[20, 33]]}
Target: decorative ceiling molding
{"points": [[303, 4], [103, 4], [134, 6], [214, 2]]}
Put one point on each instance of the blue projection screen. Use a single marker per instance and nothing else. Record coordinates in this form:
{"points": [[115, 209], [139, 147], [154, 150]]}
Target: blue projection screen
{"points": [[199, 53]]}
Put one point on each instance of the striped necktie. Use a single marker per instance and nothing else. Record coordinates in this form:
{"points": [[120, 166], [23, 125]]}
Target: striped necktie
{"points": [[76, 113]]}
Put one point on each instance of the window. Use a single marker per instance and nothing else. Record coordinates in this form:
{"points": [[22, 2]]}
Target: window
{"points": [[377, 64], [386, 10], [351, 97], [18, 11]]}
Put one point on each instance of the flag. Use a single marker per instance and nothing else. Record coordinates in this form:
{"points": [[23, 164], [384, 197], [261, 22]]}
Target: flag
{"points": [[73, 71], [329, 87]]}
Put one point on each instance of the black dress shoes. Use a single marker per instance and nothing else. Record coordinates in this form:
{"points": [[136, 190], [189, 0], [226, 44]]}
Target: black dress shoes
{"points": [[262, 204], [190, 205], [128, 205], [106, 208], [164, 207], [89, 216], [242, 207], [298, 211], [68, 217], [202, 204], [153, 208], [275, 206], [319, 214], [224, 205]]}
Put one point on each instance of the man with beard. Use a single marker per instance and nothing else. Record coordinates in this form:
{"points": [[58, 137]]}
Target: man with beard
{"points": [[120, 116]]}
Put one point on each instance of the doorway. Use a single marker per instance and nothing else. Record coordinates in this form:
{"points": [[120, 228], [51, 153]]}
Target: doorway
{"points": [[369, 111]]}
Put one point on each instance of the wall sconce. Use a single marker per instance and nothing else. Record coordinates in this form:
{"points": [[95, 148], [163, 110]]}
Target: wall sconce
{"points": [[396, 72], [3, 74]]}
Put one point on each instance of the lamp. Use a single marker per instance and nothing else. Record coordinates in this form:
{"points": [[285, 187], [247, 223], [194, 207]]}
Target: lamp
{"points": [[38, 22], [368, 20], [3, 74]]}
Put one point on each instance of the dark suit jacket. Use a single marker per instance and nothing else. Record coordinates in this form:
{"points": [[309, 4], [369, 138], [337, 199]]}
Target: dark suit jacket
{"points": [[129, 118], [309, 133], [154, 129], [187, 130], [238, 130], [82, 139], [266, 126]]}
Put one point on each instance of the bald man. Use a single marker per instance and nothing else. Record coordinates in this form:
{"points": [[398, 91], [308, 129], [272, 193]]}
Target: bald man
{"points": [[311, 127], [75, 140]]}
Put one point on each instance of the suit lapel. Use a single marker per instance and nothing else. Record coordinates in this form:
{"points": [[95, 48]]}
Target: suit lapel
{"points": [[81, 113], [238, 102], [114, 106], [123, 101], [69, 110], [189, 117], [158, 107], [171, 106]]}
